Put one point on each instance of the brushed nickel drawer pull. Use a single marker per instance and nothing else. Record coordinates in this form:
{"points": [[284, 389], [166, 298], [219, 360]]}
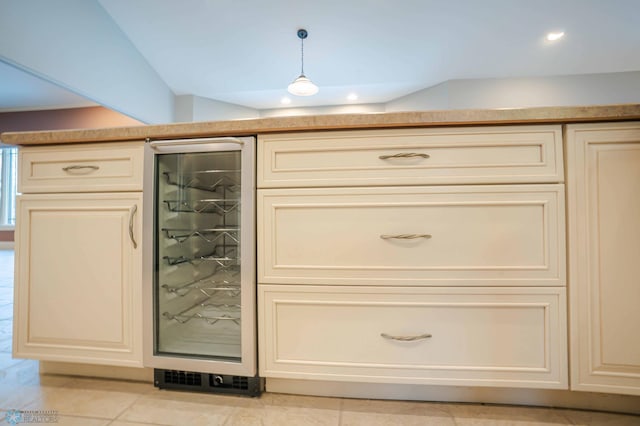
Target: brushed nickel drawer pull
{"points": [[76, 167], [404, 236], [406, 338], [132, 213], [404, 155]]}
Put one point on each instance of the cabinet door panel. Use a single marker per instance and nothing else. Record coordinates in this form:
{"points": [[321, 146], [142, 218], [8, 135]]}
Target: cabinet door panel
{"points": [[604, 238], [78, 279]]}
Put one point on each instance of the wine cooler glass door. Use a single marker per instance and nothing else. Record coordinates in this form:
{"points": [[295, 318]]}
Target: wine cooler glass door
{"points": [[203, 273]]}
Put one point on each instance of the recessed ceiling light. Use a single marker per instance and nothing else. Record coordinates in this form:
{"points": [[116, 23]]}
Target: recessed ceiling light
{"points": [[352, 97], [555, 36], [285, 101]]}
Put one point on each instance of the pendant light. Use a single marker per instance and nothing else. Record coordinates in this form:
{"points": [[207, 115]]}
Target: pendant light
{"points": [[302, 86]]}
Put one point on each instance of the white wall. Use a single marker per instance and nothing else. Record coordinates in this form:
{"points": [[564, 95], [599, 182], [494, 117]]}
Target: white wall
{"points": [[573, 90], [332, 109], [195, 108], [76, 45], [432, 98], [588, 89]]}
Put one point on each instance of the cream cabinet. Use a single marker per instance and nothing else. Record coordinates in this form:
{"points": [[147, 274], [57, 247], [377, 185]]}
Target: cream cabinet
{"points": [[78, 270], [603, 188], [81, 168], [434, 156], [474, 235], [416, 335], [413, 256]]}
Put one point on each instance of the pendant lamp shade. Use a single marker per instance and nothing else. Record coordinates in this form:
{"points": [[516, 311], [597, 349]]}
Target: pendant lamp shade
{"points": [[302, 86]]}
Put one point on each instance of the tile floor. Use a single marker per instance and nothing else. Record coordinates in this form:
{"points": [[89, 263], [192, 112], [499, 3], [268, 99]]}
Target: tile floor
{"points": [[89, 402]]}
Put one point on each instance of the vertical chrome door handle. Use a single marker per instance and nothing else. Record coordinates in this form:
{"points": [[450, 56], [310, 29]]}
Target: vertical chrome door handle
{"points": [[132, 213]]}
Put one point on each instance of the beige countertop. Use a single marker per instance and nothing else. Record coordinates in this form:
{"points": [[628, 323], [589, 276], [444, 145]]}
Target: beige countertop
{"points": [[332, 122]]}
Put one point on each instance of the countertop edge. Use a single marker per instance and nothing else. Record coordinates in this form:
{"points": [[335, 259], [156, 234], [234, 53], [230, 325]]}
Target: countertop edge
{"points": [[537, 115]]}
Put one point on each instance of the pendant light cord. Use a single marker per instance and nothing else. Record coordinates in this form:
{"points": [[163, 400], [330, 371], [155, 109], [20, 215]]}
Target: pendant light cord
{"points": [[302, 56], [302, 34]]}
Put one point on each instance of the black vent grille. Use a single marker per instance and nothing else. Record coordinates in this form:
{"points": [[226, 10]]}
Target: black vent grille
{"points": [[187, 378], [206, 382], [240, 382]]}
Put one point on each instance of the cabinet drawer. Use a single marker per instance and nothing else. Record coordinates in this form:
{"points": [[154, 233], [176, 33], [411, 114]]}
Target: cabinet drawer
{"points": [[513, 154], [478, 336], [81, 168], [504, 235]]}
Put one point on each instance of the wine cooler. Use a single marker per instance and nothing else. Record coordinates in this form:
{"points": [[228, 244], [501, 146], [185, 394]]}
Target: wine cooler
{"points": [[199, 250]]}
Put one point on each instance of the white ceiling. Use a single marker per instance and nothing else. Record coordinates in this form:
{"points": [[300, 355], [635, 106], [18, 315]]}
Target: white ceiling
{"points": [[246, 51]]}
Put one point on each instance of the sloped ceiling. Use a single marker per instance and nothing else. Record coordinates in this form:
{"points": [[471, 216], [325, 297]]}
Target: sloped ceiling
{"points": [[246, 52]]}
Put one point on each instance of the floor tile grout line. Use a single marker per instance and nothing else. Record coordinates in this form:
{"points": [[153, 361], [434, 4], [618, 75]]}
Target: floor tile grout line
{"points": [[133, 422], [79, 416], [229, 416], [564, 415], [139, 396]]}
